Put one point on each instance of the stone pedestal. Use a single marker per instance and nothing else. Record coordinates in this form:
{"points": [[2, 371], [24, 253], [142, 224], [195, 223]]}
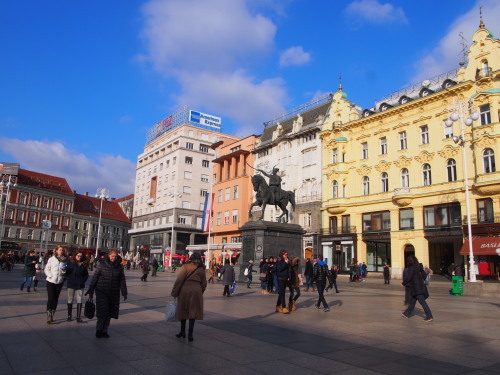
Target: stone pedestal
{"points": [[262, 239]]}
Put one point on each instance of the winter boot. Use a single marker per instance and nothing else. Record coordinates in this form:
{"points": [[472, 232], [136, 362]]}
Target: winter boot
{"points": [[28, 289], [79, 313], [290, 306], [70, 312], [49, 316], [279, 309], [294, 305], [285, 310]]}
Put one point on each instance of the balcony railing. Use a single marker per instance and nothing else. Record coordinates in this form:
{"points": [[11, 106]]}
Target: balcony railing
{"points": [[340, 230], [482, 219], [484, 72], [402, 191]]}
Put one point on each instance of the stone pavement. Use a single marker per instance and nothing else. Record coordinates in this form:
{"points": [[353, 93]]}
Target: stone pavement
{"points": [[363, 333]]}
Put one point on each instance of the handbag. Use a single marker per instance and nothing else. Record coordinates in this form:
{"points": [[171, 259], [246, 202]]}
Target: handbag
{"points": [[263, 276], [233, 287], [89, 310], [426, 293], [245, 272], [170, 311]]}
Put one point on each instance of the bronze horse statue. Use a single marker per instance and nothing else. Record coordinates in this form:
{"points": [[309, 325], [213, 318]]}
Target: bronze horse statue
{"points": [[264, 197]]}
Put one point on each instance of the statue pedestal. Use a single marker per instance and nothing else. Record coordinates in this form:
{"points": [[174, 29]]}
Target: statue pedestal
{"points": [[262, 239]]}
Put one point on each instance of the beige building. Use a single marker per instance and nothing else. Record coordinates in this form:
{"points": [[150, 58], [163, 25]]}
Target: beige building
{"points": [[394, 178], [174, 174]]}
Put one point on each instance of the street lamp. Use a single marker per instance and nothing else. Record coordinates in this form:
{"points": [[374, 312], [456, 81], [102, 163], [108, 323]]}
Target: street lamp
{"points": [[8, 181], [102, 194], [173, 195], [459, 109]]}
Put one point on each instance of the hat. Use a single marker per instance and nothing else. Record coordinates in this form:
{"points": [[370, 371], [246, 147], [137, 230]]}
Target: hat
{"points": [[250, 261], [283, 252]]}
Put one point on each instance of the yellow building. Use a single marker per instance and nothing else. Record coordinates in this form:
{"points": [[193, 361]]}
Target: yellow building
{"points": [[393, 176]]}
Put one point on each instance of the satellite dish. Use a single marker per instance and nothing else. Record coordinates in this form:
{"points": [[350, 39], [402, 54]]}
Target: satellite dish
{"points": [[426, 83]]}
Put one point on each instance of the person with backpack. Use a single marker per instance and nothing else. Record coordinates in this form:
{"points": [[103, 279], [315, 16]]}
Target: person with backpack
{"points": [[320, 274]]}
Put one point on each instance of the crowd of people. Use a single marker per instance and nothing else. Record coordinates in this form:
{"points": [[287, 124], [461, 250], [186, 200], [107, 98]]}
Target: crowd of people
{"points": [[276, 276]]}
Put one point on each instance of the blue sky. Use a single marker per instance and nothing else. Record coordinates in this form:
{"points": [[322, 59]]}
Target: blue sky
{"points": [[81, 81]]}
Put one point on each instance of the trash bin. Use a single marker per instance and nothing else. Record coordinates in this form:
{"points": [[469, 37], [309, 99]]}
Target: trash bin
{"points": [[457, 285]]}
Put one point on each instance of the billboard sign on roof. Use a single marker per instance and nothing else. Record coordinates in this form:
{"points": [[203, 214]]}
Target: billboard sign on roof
{"points": [[9, 168], [204, 119]]}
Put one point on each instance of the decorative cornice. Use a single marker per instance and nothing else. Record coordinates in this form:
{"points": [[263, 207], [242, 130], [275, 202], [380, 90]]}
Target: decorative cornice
{"points": [[422, 118], [364, 170], [403, 162], [449, 152], [400, 125], [424, 157], [382, 166], [386, 130], [484, 140]]}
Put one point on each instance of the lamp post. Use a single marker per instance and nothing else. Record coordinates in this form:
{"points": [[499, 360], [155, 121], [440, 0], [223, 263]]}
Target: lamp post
{"points": [[459, 109], [8, 181], [173, 195], [102, 194]]}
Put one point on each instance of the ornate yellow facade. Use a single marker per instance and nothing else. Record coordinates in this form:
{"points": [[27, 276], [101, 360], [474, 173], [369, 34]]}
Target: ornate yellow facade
{"points": [[393, 176]]}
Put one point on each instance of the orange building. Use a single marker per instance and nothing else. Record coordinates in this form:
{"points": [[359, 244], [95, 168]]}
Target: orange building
{"points": [[233, 193]]}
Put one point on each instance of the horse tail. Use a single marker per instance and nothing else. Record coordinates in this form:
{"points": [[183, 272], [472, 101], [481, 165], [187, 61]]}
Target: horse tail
{"points": [[291, 198]]}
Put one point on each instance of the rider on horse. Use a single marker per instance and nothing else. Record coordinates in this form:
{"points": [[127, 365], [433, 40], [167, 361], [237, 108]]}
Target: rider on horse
{"points": [[274, 184]]}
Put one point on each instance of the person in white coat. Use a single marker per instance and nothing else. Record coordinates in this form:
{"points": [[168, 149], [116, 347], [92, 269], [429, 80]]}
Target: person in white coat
{"points": [[55, 271]]}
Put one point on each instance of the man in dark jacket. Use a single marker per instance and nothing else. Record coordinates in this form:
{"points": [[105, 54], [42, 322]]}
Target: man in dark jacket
{"points": [[155, 267], [320, 274], [308, 273], [283, 275], [415, 280]]}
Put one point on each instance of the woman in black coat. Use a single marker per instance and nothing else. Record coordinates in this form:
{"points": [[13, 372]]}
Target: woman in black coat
{"points": [[108, 281], [76, 276], [29, 269], [414, 279]]}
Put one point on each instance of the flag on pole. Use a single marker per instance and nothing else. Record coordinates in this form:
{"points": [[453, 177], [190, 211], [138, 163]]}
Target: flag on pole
{"points": [[207, 212]]}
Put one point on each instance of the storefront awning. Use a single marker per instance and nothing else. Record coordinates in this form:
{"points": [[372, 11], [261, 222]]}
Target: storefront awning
{"points": [[481, 246]]}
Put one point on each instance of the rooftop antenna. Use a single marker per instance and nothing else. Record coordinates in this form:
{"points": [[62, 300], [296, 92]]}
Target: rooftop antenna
{"points": [[465, 48], [340, 82], [481, 23]]}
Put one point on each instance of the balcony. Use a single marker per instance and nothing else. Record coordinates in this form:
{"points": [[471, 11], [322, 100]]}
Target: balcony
{"points": [[342, 230], [402, 197], [151, 201], [483, 219], [483, 73]]}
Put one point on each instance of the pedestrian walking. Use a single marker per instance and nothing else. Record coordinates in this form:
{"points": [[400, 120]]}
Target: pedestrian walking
{"points": [[282, 276], [308, 273], [228, 277], [29, 271], [387, 274], [107, 283], [332, 279], [415, 280], [155, 267], [250, 270], [263, 267], [145, 269], [320, 272], [294, 284], [407, 288], [55, 271], [188, 289], [76, 275]]}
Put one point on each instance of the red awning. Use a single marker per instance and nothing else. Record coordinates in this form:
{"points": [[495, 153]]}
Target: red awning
{"points": [[481, 246]]}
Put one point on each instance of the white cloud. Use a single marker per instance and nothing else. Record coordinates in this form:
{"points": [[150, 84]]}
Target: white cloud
{"points": [[81, 173], [373, 11], [448, 52], [294, 56], [205, 46], [237, 95], [203, 35]]}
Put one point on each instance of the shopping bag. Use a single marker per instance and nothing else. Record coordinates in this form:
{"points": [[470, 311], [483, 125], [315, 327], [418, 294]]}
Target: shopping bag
{"points": [[233, 287], [245, 272], [89, 310], [170, 311]]}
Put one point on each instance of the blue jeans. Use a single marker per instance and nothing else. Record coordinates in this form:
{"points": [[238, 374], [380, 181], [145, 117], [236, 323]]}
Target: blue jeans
{"points": [[421, 299], [309, 282], [276, 284], [28, 280], [263, 285]]}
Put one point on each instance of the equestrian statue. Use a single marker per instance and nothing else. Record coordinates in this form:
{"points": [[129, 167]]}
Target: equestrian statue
{"points": [[271, 194]]}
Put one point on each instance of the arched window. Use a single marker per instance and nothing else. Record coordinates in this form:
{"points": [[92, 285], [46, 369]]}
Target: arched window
{"points": [[366, 185], [426, 174], [486, 68], [384, 182], [451, 170], [489, 161], [335, 189], [405, 178]]}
